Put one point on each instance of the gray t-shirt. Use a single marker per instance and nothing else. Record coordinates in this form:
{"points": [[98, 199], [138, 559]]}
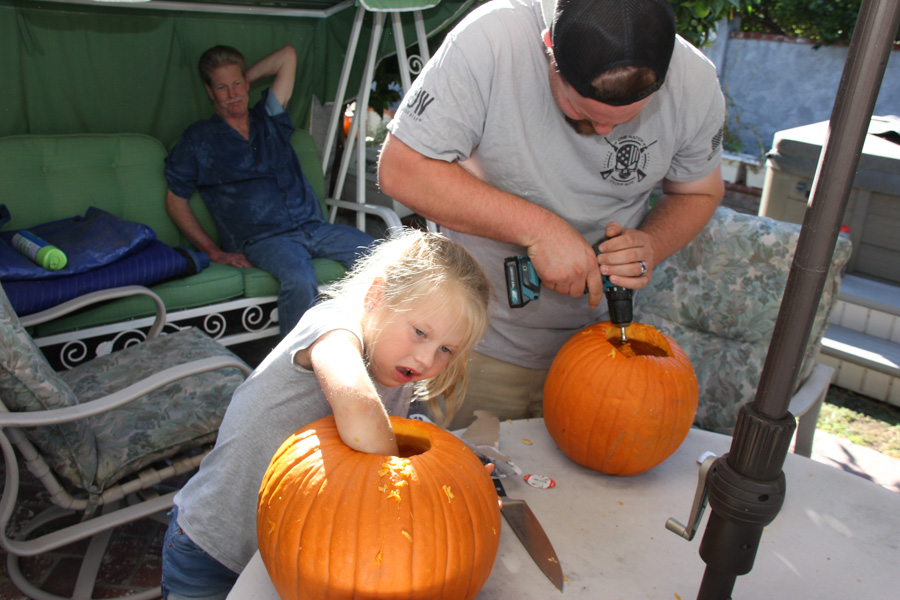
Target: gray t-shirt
{"points": [[484, 99], [217, 506]]}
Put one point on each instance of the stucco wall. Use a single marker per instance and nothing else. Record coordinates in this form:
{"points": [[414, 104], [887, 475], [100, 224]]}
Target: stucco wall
{"points": [[779, 83]]}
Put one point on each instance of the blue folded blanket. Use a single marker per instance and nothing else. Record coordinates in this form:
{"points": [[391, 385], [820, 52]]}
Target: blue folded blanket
{"points": [[153, 263], [103, 251], [94, 240]]}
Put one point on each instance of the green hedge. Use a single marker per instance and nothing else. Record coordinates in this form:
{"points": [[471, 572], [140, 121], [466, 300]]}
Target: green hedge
{"points": [[825, 21]]}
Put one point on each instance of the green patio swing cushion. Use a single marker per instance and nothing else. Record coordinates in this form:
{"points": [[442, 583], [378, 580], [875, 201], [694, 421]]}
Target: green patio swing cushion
{"points": [[181, 415], [40, 166], [719, 297], [28, 383], [44, 178], [216, 283]]}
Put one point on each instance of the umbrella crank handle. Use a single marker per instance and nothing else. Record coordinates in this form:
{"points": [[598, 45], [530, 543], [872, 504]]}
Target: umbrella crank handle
{"points": [[700, 501]]}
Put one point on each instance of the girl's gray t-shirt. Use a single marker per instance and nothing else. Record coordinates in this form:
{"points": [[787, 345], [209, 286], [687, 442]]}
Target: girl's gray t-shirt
{"points": [[217, 506]]}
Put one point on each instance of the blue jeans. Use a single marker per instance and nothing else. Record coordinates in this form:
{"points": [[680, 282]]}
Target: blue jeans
{"points": [[188, 572], [288, 258]]}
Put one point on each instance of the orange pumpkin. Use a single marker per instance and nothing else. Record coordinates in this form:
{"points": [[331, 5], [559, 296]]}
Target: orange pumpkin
{"points": [[620, 409], [335, 523]]}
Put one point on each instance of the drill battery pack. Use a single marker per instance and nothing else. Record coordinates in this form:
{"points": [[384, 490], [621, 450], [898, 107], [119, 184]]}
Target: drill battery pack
{"points": [[523, 285], [522, 282]]}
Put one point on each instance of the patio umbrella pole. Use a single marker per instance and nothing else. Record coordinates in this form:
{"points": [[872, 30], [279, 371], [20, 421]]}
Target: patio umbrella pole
{"points": [[746, 486]]}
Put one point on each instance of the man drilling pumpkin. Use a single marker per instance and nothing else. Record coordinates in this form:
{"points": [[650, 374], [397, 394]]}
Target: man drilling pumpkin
{"points": [[539, 128]]}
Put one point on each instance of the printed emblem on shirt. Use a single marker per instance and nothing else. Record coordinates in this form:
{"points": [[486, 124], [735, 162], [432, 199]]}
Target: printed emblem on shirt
{"points": [[626, 162], [716, 142], [418, 102]]}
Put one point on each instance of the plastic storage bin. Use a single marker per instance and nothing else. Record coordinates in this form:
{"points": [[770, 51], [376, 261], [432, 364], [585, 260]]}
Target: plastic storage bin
{"points": [[873, 209]]}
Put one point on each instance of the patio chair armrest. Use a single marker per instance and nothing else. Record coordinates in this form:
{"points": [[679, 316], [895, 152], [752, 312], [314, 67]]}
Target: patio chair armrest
{"points": [[386, 214], [100, 296], [806, 404], [123, 396]]}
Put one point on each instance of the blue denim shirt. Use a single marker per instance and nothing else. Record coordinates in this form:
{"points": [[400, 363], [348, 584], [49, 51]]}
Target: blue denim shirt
{"points": [[253, 188]]}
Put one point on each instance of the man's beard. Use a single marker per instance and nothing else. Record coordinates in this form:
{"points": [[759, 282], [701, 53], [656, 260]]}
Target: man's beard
{"points": [[581, 127]]}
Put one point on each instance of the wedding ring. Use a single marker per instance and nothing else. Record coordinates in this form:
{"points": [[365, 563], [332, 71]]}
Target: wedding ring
{"points": [[643, 267]]}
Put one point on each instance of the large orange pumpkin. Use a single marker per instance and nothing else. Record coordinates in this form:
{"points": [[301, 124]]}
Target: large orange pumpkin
{"points": [[335, 523], [620, 409]]}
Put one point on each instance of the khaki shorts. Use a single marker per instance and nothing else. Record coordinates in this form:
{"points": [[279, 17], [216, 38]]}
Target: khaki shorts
{"points": [[504, 389]]}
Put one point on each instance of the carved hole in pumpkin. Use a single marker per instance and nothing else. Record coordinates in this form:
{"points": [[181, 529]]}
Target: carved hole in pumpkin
{"points": [[643, 340], [637, 348], [412, 444]]}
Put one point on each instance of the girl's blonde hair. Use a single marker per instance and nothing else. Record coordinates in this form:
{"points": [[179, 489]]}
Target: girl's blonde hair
{"points": [[416, 266]]}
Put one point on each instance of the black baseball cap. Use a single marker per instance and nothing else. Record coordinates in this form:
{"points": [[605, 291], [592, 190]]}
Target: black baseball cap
{"points": [[591, 37]]}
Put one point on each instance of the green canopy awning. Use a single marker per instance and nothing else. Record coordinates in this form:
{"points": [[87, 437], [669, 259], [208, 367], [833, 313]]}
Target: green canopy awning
{"points": [[85, 66]]}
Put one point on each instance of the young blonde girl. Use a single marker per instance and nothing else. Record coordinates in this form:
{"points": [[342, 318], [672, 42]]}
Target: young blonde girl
{"points": [[400, 326]]}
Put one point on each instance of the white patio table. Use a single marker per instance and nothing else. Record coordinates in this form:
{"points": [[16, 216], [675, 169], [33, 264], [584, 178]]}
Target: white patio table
{"points": [[837, 535]]}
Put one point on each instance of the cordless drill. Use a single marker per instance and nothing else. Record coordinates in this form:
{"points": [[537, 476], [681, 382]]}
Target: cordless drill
{"points": [[523, 285]]}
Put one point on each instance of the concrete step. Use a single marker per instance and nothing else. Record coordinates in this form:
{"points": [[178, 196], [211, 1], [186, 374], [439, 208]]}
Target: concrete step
{"points": [[863, 349], [878, 296], [863, 340]]}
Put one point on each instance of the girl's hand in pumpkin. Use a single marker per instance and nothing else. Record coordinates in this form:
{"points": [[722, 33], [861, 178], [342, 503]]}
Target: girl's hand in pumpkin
{"points": [[623, 253], [362, 421]]}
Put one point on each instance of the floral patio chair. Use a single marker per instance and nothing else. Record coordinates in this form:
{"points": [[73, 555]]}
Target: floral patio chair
{"points": [[719, 296], [103, 436]]}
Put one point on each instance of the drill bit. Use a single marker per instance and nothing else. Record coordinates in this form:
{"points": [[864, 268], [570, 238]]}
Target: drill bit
{"points": [[618, 300]]}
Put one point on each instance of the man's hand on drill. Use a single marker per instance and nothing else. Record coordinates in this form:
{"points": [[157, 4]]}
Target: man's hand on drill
{"points": [[622, 254], [567, 264]]}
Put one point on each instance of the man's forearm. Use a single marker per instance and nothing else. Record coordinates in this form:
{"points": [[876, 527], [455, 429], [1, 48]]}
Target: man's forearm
{"points": [[282, 65], [271, 64], [449, 195], [180, 212]]}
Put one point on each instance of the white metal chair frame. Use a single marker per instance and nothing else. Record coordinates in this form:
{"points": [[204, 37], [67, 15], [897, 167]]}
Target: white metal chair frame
{"points": [[131, 500], [357, 134]]}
